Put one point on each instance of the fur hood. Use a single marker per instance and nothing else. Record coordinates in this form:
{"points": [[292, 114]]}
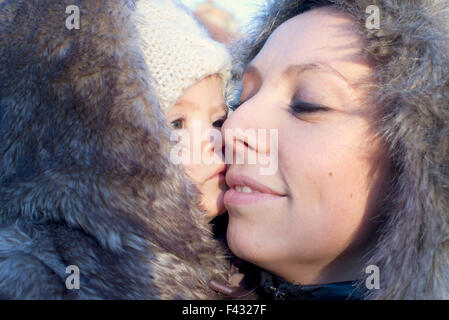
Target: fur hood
{"points": [[411, 53], [85, 175]]}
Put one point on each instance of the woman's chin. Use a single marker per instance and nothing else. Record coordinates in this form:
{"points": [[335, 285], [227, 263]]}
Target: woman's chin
{"points": [[242, 242]]}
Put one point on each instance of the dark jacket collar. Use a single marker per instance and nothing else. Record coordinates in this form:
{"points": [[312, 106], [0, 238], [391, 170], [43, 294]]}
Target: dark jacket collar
{"points": [[274, 288]]}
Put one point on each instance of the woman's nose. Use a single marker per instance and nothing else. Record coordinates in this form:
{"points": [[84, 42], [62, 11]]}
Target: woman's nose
{"points": [[241, 128]]}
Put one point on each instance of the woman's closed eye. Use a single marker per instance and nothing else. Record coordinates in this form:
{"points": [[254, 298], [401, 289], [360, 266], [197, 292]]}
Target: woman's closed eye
{"points": [[302, 107]]}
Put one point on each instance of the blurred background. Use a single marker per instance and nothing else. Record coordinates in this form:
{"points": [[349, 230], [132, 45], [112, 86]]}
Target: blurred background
{"points": [[225, 19]]}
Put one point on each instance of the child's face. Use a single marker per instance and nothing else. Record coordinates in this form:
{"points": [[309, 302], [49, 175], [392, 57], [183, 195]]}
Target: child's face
{"points": [[200, 109]]}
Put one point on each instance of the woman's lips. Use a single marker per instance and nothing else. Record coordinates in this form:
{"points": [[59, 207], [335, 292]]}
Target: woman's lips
{"points": [[233, 197], [245, 191]]}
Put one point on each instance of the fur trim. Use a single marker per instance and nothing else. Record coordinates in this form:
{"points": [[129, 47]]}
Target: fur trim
{"points": [[85, 176], [411, 52]]}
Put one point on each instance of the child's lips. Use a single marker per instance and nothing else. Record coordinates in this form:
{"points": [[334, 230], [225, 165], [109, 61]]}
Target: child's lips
{"points": [[218, 174]]}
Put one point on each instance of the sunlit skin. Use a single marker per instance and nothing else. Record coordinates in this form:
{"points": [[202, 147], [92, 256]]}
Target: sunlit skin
{"points": [[318, 222], [204, 103]]}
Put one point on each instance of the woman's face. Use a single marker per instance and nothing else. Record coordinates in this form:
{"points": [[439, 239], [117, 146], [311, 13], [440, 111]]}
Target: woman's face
{"points": [[309, 222]]}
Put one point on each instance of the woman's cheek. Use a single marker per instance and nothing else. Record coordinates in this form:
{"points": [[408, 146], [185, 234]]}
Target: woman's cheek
{"points": [[345, 192], [319, 172]]}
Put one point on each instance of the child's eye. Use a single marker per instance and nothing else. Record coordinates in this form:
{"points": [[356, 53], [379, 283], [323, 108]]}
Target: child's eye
{"points": [[178, 124], [219, 123]]}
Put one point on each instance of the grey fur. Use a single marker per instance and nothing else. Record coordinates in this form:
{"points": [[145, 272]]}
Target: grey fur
{"points": [[85, 177], [411, 53]]}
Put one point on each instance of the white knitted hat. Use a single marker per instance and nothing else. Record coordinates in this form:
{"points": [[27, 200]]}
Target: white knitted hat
{"points": [[178, 51]]}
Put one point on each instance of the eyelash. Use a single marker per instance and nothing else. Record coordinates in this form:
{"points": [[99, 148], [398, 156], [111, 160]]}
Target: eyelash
{"points": [[220, 121], [216, 124], [305, 107], [182, 122], [297, 108]]}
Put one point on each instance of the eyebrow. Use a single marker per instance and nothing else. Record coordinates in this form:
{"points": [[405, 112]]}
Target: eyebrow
{"points": [[300, 68], [187, 103], [315, 66]]}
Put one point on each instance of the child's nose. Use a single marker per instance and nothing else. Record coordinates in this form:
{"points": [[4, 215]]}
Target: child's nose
{"points": [[213, 143]]}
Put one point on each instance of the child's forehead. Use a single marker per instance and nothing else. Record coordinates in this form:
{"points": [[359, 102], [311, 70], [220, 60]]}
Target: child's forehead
{"points": [[206, 95], [201, 104]]}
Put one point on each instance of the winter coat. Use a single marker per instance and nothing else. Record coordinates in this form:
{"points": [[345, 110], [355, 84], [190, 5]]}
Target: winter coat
{"points": [[410, 51], [86, 183]]}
